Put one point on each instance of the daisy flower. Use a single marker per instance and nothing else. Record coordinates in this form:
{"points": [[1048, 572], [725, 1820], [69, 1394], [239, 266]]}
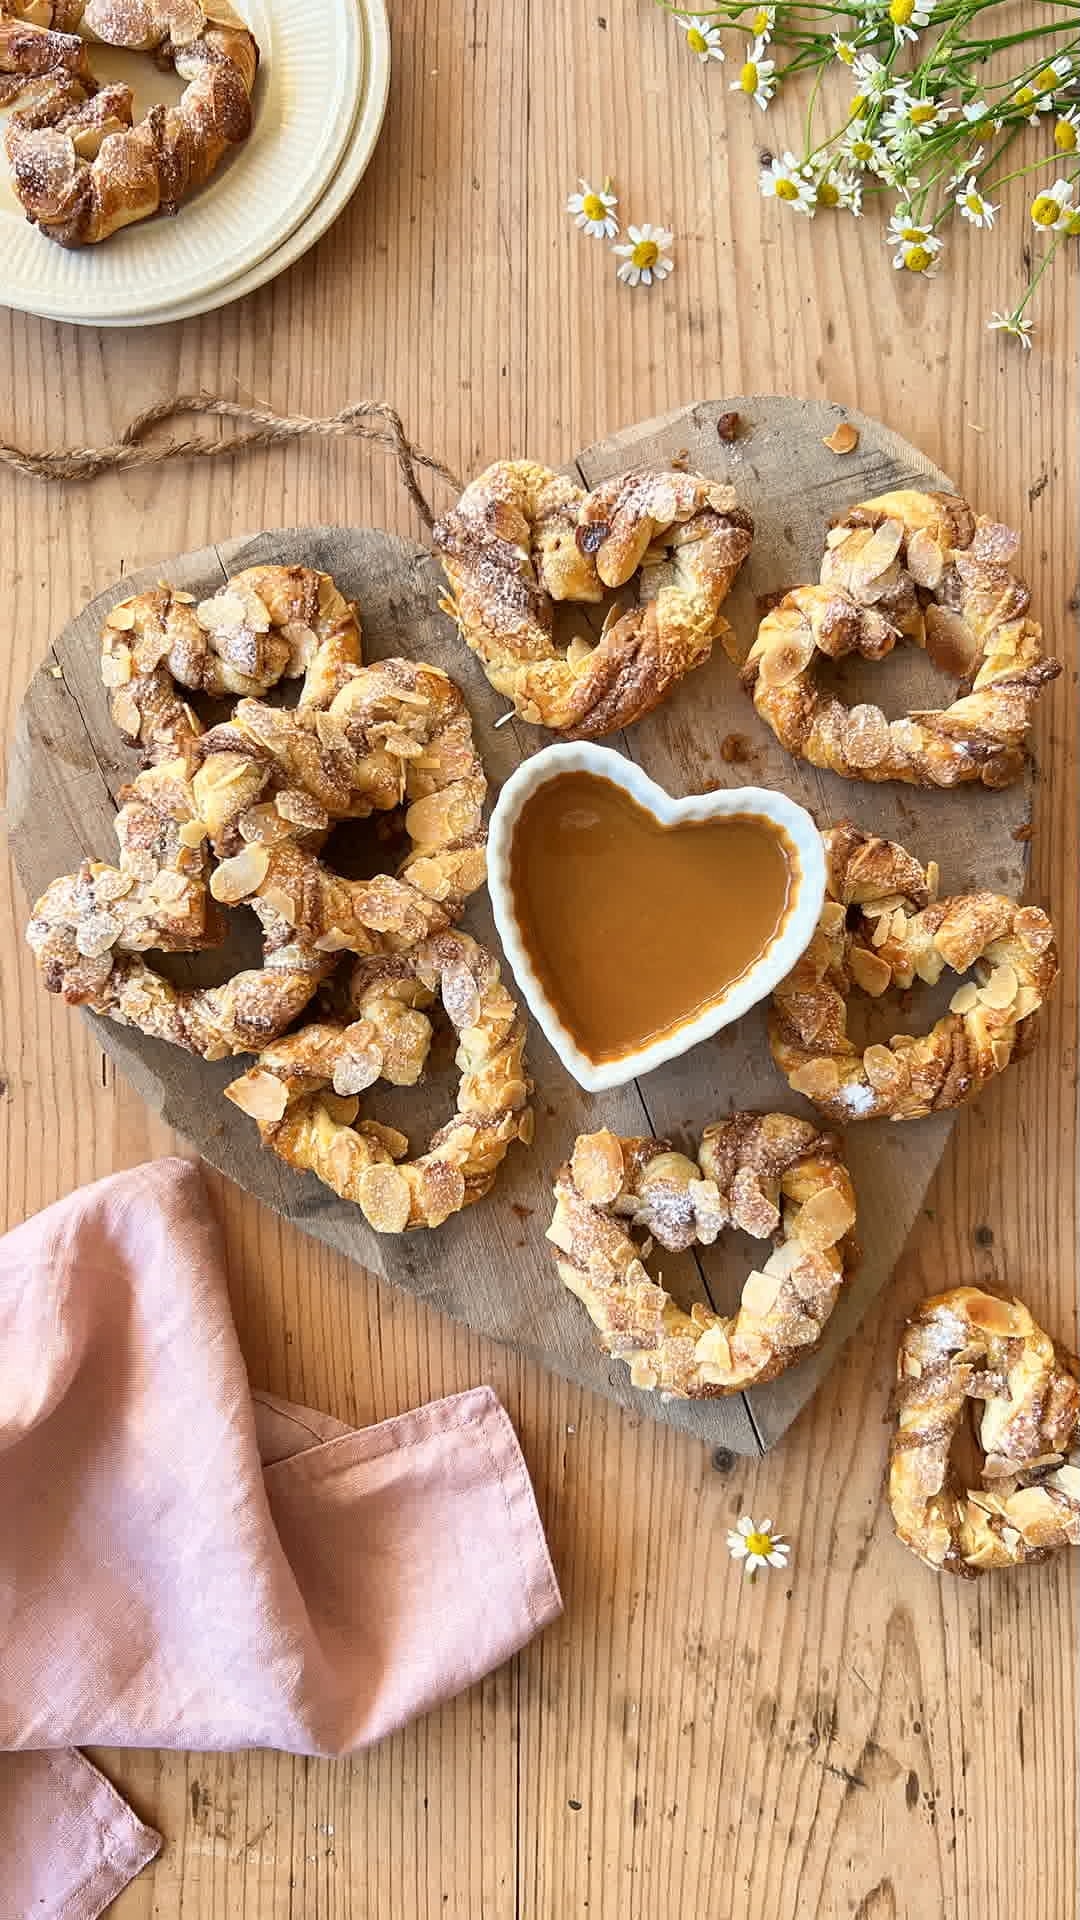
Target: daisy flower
{"points": [[848, 192], [844, 50], [763, 22], [702, 38], [757, 1545], [973, 161], [594, 210], [786, 180], [645, 258], [858, 146], [971, 205], [1067, 131], [906, 116], [1028, 99], [1011, 323], [872, 76], [920, 256], [1051, 208], [1052, 75], [909, 17], [758, 77]]}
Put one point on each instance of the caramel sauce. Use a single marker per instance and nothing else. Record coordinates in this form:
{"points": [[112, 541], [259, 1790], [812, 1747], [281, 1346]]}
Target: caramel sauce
{"points": [[634, 927]]}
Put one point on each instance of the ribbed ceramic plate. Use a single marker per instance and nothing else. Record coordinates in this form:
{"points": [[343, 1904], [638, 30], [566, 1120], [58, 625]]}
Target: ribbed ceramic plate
{"points": [[375, 29], [311, 78]]}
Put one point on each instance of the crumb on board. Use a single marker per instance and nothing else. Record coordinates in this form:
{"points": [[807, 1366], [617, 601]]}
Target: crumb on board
{"points": [[729, 426], [1025, 831], [734, 748]]}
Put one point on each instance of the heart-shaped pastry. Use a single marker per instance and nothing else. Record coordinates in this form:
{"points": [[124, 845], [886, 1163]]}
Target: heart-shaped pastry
{"points": [[636, 924]]}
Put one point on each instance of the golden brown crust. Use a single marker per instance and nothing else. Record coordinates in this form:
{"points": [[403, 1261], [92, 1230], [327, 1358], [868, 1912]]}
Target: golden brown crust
{"points": [[883, 926], [81, 169], [260, 794], [522, 538], [302, 1091], [971, 1346], [767, 1173], [919, 567]]}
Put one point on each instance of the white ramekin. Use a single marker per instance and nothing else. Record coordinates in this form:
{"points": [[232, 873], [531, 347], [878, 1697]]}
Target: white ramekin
{"points": [[808, 894]]}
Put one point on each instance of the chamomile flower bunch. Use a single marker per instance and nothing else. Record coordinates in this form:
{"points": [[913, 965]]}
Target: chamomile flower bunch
{"points": [[910, 110]]}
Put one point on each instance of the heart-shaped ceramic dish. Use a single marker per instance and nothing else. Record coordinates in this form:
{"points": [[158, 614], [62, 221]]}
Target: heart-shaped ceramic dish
{"points": [[806, 895]]}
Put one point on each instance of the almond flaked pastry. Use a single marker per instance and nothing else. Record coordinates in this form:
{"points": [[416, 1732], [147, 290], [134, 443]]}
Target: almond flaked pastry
{"points": [[865, 939], [522, 538], [917, 567], [258, 796], [81, 169], [963, 1347], [294, 1090], [766, 1173]]}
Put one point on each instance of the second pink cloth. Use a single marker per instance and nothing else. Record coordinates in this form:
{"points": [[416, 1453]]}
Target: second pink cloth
{"points": [[181, 1566]]}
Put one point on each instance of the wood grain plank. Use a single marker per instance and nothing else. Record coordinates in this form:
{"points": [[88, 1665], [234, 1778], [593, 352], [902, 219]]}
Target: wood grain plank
{"points": [[702, 1725]]}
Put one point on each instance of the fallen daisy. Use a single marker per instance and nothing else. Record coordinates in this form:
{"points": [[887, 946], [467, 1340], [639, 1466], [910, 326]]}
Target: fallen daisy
{"points": [[1011, 323], [757, 1545], [645, 256], [702, 38], [972, 205], [785, 180], [594, 210], [758, 76]]}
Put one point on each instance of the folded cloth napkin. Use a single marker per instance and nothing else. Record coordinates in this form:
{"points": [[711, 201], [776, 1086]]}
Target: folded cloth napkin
{"points": [[184, 1564]]}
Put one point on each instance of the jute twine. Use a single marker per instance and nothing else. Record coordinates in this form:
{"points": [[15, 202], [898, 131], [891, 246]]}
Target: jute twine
{"points": [[258, 427]]}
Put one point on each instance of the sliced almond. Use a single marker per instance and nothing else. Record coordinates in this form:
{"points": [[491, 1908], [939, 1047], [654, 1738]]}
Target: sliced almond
{"points": [[785, 657], [96, 933], [965, 998], [192, 833], [121, 617], [759, 1293], [126, 714], [597, 1168], [357, 1068], [1000, 990], [883, 1069], [116, 667], [1001, 1317], [385, 1198], [925, 559], [240, 877], [843, 438], [816, 1078], [261, 1095], [578, 652], [824, 1219], [869, 971], [642, 1373], [1067, 1481], [713, 1355]]}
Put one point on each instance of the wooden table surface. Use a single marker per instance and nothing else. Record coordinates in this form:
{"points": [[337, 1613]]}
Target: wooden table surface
{"points": [[854, 1737]]}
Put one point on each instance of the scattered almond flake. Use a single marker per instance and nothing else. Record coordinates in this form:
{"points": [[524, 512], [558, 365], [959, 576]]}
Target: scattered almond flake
{"points": [[260, 1094], [56, 673], [121, 617], [116, 667], [597, 1167], [332, 941], [843, 439], [357, 1068]]}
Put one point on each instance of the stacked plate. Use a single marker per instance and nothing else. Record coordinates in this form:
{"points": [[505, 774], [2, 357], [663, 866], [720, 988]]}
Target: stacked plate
{"points": [[319, 101]]}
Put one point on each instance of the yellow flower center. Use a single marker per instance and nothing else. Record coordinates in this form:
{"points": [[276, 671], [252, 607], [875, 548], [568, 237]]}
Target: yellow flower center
{"points": [[1072, 223], [1045, 210], [786, 190], [857, 107], [921, 114], [914, 235], [861, 150], [1047, 80], [1023, 97], [1065, 137], [827, 194], [696, 40], [900, 12], [759, 1543], [917, 259], [973, 202], [760, 21], [748, 78], [593, 207], [846, 52], [645, 254]]}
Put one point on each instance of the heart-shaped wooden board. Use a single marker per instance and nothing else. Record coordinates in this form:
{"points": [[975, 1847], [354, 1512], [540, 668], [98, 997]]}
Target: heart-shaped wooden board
{"points": [[491, 1265]]}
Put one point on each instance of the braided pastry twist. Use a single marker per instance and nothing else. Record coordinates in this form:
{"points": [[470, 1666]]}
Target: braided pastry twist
{"points": [[302, 1091], [883, 926], [764, 1172], [970, 1346], [919, 567], [81, 169], [261, 794], [522, 538]]}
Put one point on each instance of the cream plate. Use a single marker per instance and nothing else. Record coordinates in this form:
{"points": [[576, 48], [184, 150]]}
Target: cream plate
{"points": [[777, 959], [372, 109], [311, 75]]}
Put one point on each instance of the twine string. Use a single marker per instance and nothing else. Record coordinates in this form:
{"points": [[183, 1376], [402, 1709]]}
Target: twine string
{"points": [[257, 427]]}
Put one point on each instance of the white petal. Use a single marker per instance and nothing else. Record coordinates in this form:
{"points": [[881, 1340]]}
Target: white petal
{"points": [[746, 1525]]}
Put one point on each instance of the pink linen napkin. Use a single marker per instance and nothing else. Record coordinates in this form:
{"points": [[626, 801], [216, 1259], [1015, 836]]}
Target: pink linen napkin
{"points": [[184, 1566]]}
